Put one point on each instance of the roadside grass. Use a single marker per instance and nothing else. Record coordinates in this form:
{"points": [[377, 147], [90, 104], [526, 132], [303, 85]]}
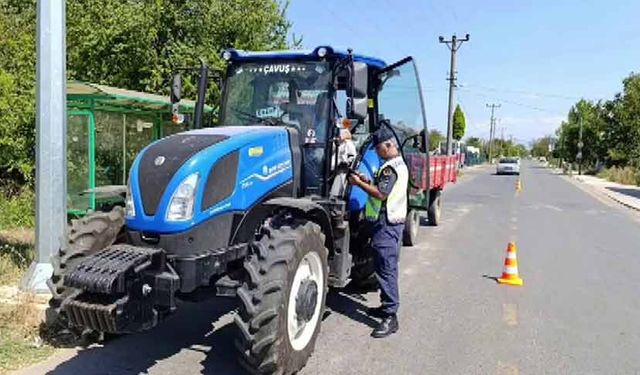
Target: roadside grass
{"points": [[20, 343], [20, 314], [623, 175], [17, 209], [16, 253]]}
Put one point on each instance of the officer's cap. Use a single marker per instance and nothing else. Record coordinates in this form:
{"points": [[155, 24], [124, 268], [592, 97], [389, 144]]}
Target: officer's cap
{"points": [[383, 134]]}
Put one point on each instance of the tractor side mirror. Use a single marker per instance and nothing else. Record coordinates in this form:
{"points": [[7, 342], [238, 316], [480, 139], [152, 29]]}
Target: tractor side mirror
{"points": [[176, 88], [175, 96], [357, 101], [357, 108], [423, 145], [357, 85]]}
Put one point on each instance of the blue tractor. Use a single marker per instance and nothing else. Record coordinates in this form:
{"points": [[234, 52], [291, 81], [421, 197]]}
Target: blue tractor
{"points": [[257, 207]]}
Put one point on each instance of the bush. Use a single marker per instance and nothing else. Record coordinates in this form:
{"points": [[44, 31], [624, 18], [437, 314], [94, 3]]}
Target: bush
{"points": [[622, 175], [17, 210]]}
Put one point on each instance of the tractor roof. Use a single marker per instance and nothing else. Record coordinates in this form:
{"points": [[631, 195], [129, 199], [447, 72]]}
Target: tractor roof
{"points": [[303, 55]]}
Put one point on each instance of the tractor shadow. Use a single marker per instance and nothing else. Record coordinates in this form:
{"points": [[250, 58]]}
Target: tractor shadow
{"points": [[201, 333]]}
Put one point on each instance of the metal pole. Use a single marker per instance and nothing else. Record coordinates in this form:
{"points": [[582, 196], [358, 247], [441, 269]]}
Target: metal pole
{"points": [[580, 145], [124, 149], [453, 45], [51, 132], [452, 82], [490, 136], [492, 128]]}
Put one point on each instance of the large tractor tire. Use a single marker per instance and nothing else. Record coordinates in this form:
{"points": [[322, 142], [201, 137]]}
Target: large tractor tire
{"points": [[282, 299], [86, 236], [411, 228], [435, 208]]}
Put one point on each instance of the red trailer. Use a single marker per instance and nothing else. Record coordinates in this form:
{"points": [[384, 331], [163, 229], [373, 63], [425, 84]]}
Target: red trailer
{"points": [[442, 169]]}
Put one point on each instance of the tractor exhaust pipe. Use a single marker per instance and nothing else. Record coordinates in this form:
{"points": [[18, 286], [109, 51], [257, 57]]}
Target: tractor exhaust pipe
{"points": [[202, 90]]}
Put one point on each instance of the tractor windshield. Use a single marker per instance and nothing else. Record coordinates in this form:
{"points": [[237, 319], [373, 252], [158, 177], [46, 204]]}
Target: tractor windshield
{"points": [[288, 93]]}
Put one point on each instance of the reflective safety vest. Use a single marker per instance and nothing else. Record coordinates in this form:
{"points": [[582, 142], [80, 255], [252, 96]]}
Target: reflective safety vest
{"points": [[396, 202]]}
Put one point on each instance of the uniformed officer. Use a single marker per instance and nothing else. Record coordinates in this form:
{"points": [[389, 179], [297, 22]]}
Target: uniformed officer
{"points": [[386, 210]]}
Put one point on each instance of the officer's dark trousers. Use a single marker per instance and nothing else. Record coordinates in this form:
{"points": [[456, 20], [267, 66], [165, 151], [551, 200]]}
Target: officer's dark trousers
{"points": [[385, 241]]}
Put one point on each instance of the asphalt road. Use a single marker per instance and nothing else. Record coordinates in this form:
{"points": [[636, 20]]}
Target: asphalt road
{"points": [[577, 312]]}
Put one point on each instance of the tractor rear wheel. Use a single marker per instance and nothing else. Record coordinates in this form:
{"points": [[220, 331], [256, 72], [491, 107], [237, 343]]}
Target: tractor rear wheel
{"points": [[282, 298], [435, 208], [86, 236]]}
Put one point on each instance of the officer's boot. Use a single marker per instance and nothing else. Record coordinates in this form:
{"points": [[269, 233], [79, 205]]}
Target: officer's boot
{"points": [[388, 326]]}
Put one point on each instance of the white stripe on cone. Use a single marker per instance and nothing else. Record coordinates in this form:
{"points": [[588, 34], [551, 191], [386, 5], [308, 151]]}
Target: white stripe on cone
{"points": [[511, 270]]}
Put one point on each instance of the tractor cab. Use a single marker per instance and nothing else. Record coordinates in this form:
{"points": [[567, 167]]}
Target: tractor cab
{"points": [[320, 93]]}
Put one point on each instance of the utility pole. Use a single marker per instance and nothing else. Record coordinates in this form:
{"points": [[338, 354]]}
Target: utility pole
{"points": [[492, 128], [502, 134], [580, 145], [453, 45]]}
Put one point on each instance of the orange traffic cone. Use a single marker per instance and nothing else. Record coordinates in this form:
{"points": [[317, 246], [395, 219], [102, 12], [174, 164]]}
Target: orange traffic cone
{"points": [[518, 185], [510, 273]]}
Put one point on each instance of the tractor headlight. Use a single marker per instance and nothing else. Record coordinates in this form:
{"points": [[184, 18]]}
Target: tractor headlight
{"points": [[129, 208], [182, 201]]}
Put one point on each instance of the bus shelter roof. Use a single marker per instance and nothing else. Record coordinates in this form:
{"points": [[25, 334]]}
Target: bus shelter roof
{"points": [[96, 97]]}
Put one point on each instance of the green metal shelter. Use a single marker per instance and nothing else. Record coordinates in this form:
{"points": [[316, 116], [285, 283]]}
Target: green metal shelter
{"points": [[106, 128]]}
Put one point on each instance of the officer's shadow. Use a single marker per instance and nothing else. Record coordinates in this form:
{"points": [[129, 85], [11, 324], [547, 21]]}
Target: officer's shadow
{"points": [[350, 302]]}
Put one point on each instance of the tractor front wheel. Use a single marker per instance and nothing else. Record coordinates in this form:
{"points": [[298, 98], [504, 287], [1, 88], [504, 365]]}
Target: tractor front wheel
{"points": [[282, 298]]}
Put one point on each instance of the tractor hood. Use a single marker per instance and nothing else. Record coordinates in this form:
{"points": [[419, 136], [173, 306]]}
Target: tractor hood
{"points": [[226, 168]]}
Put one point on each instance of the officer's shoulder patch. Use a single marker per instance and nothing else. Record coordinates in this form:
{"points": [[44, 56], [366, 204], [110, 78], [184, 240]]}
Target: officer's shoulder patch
{"points": [[387, 171]]}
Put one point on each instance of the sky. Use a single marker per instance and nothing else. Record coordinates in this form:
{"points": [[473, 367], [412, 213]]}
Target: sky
{"points": [[534, 58]]}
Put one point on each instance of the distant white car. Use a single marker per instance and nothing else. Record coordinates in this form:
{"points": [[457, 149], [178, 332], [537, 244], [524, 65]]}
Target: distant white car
{"points": [[508, 166]]}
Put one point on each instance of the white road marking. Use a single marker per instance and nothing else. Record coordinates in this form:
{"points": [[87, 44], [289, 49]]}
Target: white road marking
{"points": [[510, 313]]}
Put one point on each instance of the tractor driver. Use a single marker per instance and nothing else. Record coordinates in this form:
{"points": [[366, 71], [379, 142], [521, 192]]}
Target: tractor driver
{"points": [[386, 210]]}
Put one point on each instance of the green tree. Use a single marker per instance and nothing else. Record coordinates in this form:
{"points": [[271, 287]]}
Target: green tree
{"points": [[459, 123], [611, 129], [435, 137], [621, 118], [131, 44], [140, 44], [17, 92], [475, 142], [542, 146], [589, 115]]}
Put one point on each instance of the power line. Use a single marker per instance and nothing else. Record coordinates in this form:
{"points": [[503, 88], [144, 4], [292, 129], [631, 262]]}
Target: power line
{"points": [[523, 92], [535, 108]]}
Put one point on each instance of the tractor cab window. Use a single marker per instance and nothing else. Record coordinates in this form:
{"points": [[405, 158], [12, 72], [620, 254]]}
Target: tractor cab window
{"points": [[400, 102], [287, 94], [293, 94]]}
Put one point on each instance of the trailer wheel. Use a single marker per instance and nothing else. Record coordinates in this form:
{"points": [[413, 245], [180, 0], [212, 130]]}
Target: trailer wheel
{"points": [[411, 228], [282, 298], [86, 236], [435, 208]]}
